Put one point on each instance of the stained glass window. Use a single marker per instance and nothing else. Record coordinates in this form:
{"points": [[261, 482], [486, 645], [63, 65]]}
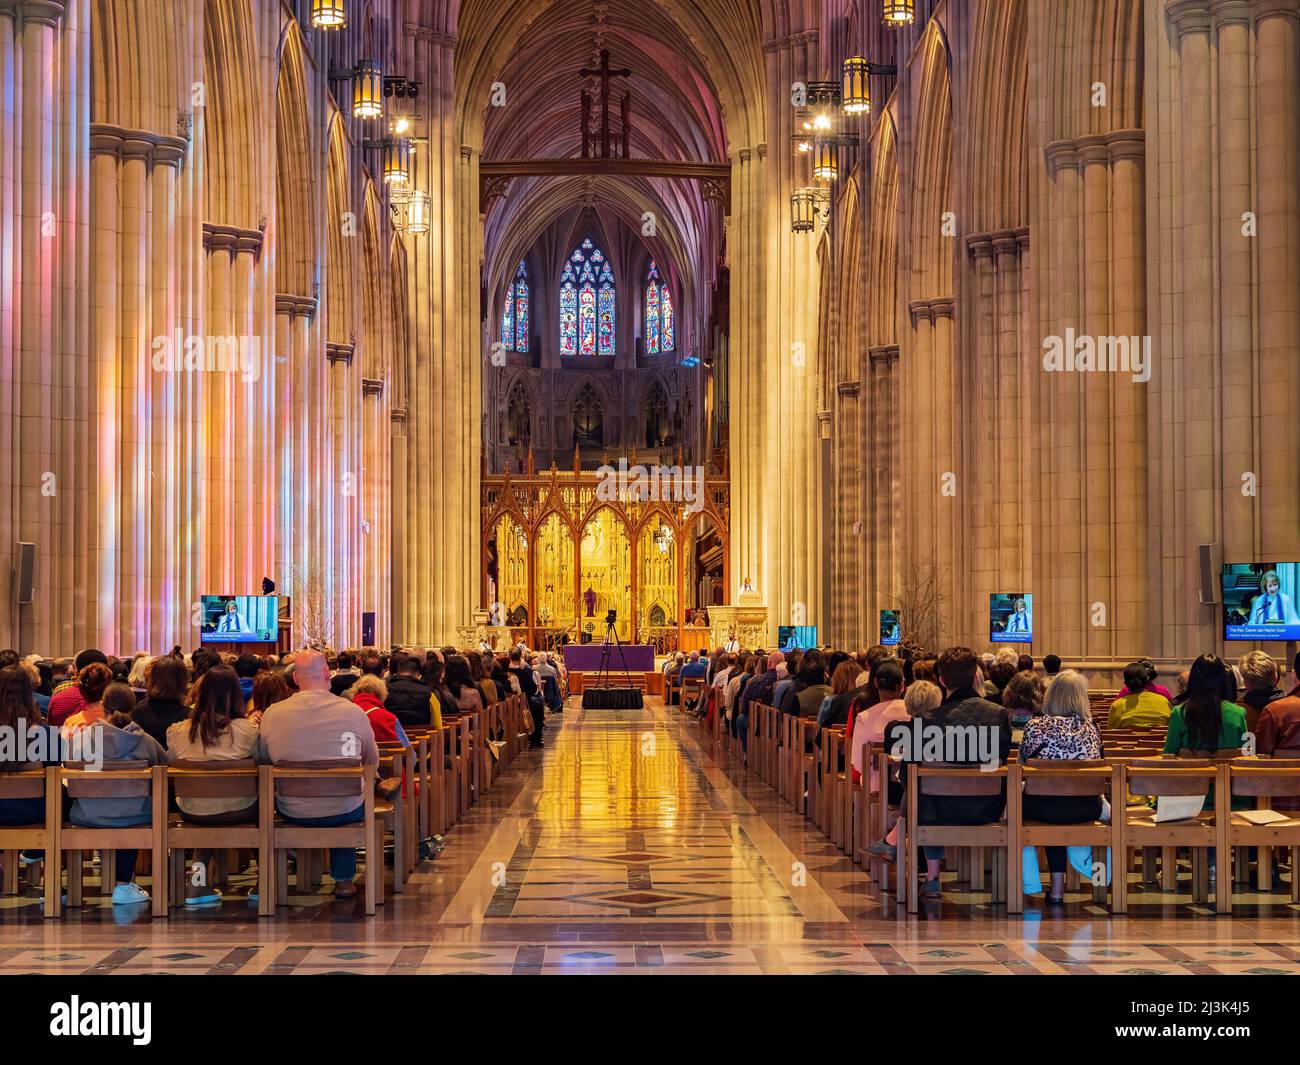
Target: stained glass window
{"points": [[667, 329], [521, 308], [514, 314], [652, 312], [660, 330], [587, 297]]}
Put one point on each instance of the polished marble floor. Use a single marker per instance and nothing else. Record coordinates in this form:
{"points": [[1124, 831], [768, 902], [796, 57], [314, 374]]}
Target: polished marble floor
{"points": [[630, 845]]}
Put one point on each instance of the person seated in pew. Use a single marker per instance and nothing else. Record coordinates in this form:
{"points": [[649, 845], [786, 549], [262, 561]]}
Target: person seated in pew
{"points": [[269, 688], [962, 708], [409, 699], [1063, 731], [870, 721], [1207, 721], [370, 694], [1023, 698], [217, 730], [804, 697], [92, 682], [19, 713], [480, 674], [921, 699], [314, 725], [165, 683], [114, 745], [1259, 671], [1149, 682], [469, 699], [1141, 707]]}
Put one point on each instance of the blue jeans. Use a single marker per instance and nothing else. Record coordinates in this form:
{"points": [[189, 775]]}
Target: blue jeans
{"points": [[742, 731], [343, 860]]}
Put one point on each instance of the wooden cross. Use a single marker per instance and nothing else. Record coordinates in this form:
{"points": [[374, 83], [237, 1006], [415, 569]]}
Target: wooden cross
{"points": [[604, 72]]}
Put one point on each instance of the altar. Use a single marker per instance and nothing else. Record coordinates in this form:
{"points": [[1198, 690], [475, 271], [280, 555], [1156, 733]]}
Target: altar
{"points": [[586, 657]]}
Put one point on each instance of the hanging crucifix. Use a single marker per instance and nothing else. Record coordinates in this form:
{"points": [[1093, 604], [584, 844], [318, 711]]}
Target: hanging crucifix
{"points": [[604, 72]]}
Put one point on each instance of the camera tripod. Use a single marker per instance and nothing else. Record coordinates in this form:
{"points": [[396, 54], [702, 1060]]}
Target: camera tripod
{"points": [[611, 642]]}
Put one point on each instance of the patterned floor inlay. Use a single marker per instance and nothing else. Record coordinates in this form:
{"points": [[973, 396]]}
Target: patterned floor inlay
{"points": [[633, 846]]}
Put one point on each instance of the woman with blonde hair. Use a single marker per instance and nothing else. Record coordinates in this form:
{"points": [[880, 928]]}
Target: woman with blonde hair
{"points": [[1064, 731], [919, 700]]}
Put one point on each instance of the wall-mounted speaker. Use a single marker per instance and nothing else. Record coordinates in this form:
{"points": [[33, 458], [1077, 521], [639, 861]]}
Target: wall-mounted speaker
{"points": [[368, 629], [1211, 565], [24, 572]]}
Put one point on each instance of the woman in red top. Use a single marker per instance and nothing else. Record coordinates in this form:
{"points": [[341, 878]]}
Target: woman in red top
{"points": [[369, 693]]}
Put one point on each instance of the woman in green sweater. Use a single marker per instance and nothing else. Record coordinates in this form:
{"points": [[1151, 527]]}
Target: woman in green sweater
{"points": [[1206, 721]]}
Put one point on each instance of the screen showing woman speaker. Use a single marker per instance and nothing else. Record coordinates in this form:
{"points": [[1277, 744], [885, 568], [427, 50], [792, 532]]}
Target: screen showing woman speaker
{"points": [[1259, 600], [239, 619], [891, 634], [1011, 617]]}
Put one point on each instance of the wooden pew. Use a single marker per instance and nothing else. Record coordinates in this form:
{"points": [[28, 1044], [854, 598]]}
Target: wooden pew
{"points": [[35, 783], [218, 780]]}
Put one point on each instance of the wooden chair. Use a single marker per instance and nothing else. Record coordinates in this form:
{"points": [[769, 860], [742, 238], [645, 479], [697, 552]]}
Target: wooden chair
{"points": [[219, 780], [335, 778], [1076, 779], [114, 780], [35, 783], [1179, 777], [1263, 780], [936, 778]]}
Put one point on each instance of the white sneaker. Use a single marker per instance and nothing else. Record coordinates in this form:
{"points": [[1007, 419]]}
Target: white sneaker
{"points": [[129, 894]]}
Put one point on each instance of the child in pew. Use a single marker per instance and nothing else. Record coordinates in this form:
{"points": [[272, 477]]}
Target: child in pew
{"points": [[115, 745], [1064, 731]]}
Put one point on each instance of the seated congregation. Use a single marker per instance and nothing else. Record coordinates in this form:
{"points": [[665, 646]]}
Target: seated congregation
{"points": [[986, 762], [212, 764]]}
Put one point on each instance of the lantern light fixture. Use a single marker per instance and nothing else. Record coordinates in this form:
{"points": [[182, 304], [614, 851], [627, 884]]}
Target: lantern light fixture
{"points": [[898, 12], [808, 206], [825, 161], [328, 15], [417, 212], [367, 90], [855, 96], [397, 160]]}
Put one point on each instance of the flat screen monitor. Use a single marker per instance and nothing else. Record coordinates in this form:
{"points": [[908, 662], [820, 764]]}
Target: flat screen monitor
{"points": [[239, 619], [796, 637], [1011, 617], [890, 633], [1259, 600]]}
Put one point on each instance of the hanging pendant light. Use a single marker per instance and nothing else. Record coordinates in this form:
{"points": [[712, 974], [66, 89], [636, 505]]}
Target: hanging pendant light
{"points": [[899, 12], [397, 160], [328, 15], [803, 210], [399, 199], [417, 213], [367, 90], [855, 98], [825, 165]]}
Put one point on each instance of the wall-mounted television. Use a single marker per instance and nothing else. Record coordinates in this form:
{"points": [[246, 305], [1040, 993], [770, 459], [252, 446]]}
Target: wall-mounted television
{"points": [[891, 634], [1259, 600], [796, 637], [239, 619], [1011, 617]]}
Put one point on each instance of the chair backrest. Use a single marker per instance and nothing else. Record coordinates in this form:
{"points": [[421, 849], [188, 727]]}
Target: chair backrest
{"points": [[1262, 778], [203, 779], [1043, 776], [126, 779], [1170, 776], [1222, 754], [942, 778], [23, 784], [328, 777]]}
